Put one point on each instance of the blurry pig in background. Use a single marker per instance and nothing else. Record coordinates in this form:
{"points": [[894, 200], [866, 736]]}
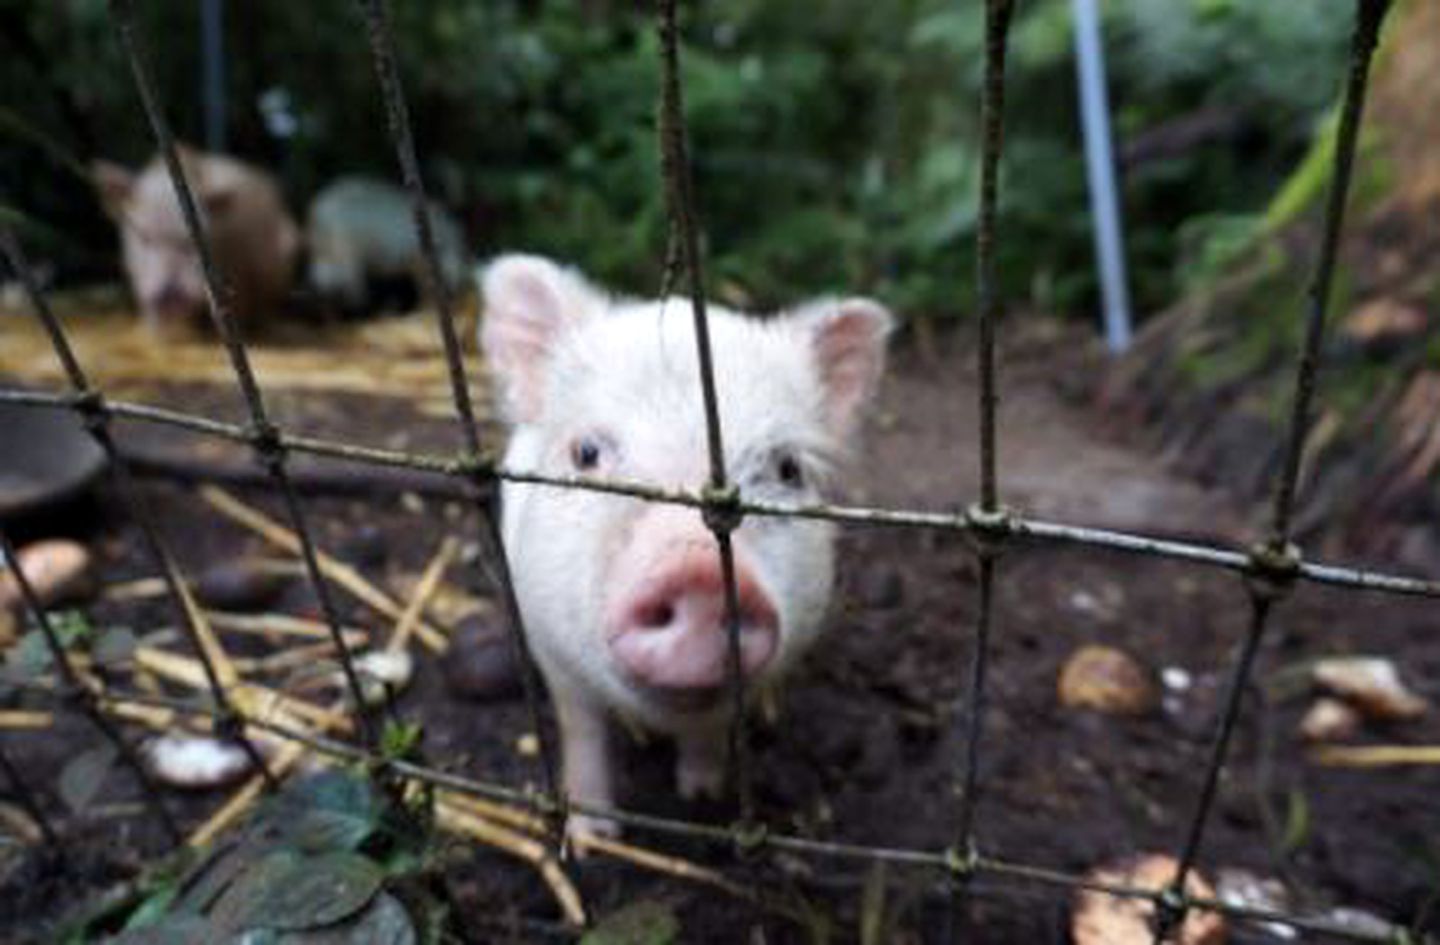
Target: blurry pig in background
{"points": [[361, 236], [254, 239], [623, 600]]}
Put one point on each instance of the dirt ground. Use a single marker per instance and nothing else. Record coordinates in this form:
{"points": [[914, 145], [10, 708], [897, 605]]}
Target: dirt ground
{"points": [[867, 747]]}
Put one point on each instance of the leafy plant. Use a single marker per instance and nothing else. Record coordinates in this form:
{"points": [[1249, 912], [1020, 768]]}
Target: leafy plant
{"points": [[330, 860]]}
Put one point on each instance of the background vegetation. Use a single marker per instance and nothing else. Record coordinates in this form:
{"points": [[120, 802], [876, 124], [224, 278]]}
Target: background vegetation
{"points": [[834, 141]]}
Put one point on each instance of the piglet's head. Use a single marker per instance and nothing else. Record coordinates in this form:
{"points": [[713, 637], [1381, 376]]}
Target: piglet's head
{"points": [[160, 258], [602, 386]]}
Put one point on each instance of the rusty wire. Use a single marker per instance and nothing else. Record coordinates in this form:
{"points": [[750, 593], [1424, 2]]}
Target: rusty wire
{"points": [[73, 691], [25, 797], [1270, 570], [263, 436], [987, 541], [90, 406], [720, 509], [479, 476], [1276, 561]]}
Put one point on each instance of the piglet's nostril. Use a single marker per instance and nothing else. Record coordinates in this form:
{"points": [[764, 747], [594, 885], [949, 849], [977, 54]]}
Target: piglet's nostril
{"points": [[656, 615]]}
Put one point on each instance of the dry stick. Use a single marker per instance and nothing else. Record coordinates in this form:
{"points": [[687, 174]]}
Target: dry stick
{"points": [[409, 622], [648, 859], [22, 720], [138, 589], [283, 625], [337, 571], [1376, 756], [247, 696], [450, 817]]}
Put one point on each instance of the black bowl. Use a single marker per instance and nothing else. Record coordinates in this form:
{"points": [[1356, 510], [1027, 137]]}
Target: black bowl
{"points": [[46, 458]]}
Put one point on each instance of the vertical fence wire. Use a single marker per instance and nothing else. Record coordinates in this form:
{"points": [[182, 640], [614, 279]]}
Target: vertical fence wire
{"points": [[721, 511], [1277, 561], [987, 516], [265, 438], [73, 691], [482, 476], [25, 797], [90, 406]]}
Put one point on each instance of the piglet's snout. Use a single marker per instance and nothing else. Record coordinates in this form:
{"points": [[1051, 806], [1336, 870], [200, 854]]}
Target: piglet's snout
{"points": [[670, 631]]}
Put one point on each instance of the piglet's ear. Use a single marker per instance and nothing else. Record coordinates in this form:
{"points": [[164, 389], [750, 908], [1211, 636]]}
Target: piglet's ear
{"points": [[529, 303], [848, 338]]}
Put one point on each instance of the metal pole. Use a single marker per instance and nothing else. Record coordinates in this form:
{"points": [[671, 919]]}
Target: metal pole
{"points": [[212, 71], [1100, 169]]}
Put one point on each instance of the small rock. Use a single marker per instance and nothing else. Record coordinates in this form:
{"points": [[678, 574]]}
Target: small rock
{"points": [[383, 670], [195, 762], [1361, 922], [480, 663], [243, 585], [58, 570], [1382, 323], [1371, 684], [1176, 679], [882, 588], [1329, 720], [1107, 680], [1247, 890], [1100, 919]]}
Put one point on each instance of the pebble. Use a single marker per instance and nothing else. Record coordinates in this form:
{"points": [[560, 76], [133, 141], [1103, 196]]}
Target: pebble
{"points": [[1371, 684], [380, 670], [480, 662], [243, 585], [195, 762], [1329, 720], [1100, 919], [1107, 680], [58, 570], [1250, 891]]}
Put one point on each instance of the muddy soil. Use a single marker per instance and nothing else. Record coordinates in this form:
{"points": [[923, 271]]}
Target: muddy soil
{"points": [[867, 746]]}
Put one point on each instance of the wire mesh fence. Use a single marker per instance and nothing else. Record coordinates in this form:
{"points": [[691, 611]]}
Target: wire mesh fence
{"points": [[1271, 567]]}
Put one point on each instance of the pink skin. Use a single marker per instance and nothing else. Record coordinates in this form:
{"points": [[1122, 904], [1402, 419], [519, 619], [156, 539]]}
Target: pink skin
{"points": [[667, 622]]}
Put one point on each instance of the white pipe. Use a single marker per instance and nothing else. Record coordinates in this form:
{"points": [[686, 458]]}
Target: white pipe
{"points": [[1100, 169]]}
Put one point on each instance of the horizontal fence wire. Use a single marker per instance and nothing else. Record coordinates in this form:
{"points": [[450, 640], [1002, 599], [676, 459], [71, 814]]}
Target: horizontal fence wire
{"points": [[942, 860], [1246, 561], [1271, 569]]}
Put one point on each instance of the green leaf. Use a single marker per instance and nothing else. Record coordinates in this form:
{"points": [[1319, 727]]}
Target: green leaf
{"points": [[384, 922], [399, 739], [83, 777], [175, 930], [642, 923], [334, 810], [288, 891]]}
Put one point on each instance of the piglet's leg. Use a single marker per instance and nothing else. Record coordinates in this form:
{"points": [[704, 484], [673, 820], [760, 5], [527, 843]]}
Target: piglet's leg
{"points": [[700, 760], [585, 751]]}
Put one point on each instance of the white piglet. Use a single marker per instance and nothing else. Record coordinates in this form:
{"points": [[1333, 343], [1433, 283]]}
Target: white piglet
{"points": [[623, 600]]}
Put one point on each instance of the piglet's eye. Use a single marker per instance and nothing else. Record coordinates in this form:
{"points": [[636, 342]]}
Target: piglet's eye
{"points": [[787, 469], [585, 453]]}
